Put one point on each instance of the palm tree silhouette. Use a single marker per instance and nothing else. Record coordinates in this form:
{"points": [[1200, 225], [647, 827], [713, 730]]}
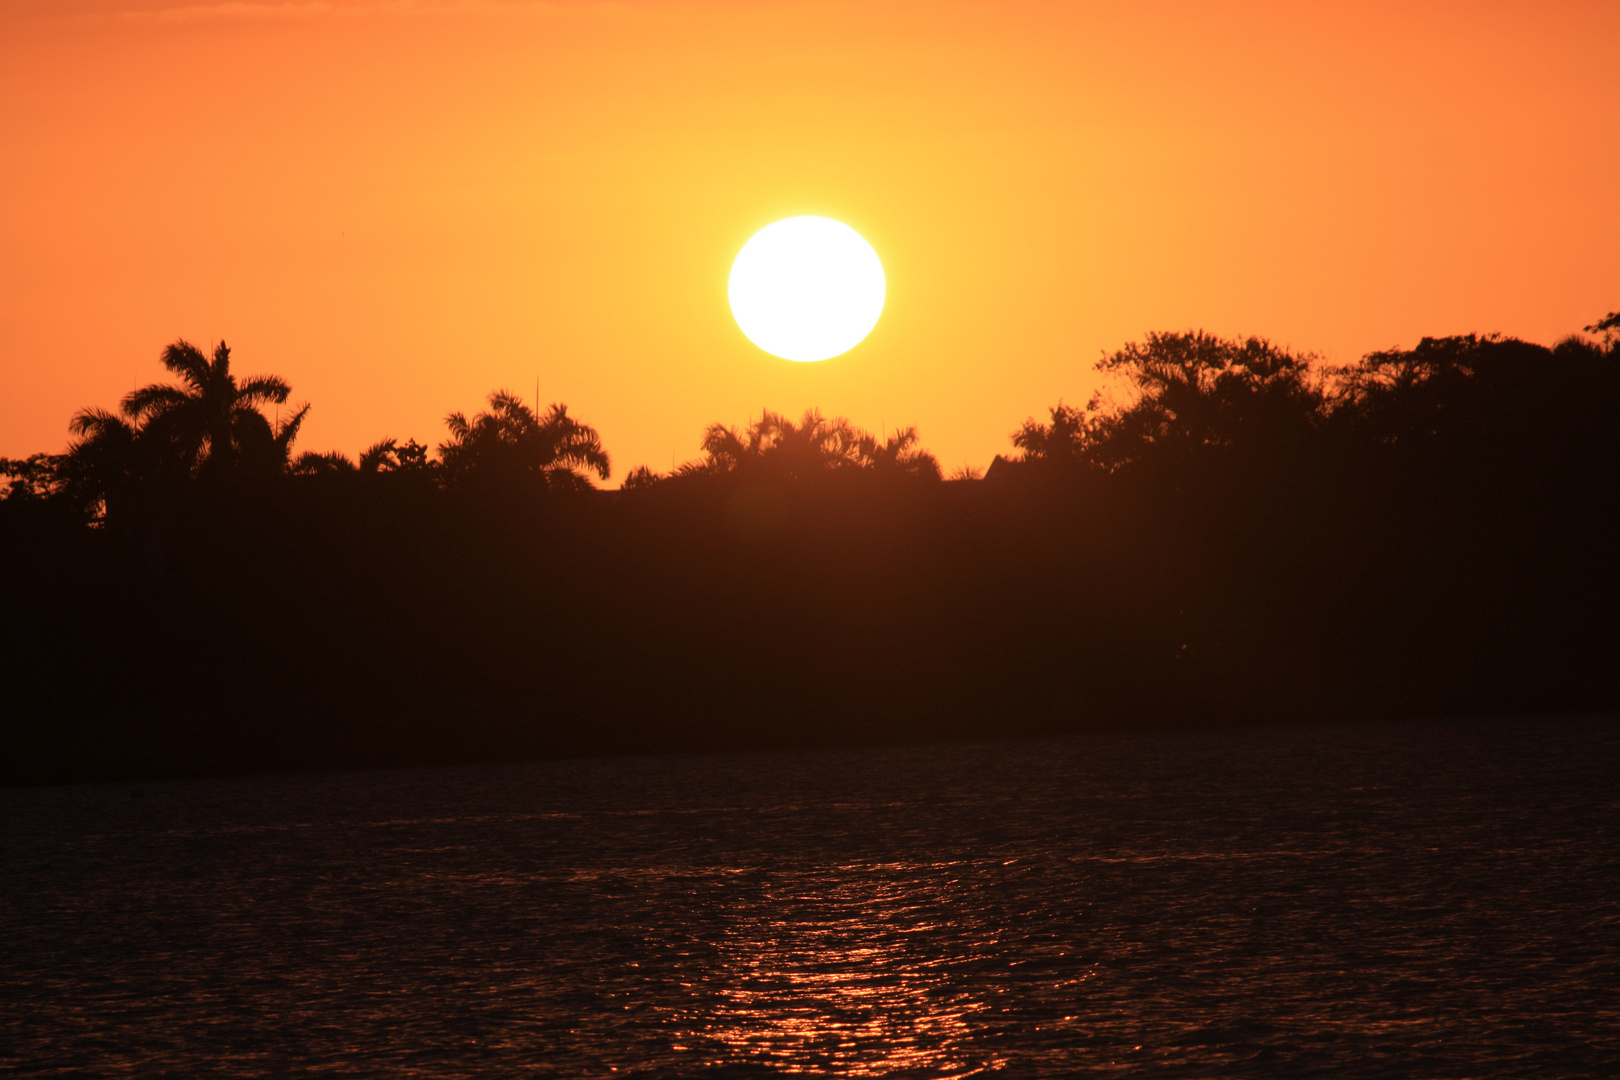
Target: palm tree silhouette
{"points": [[775, 446], [267, 450], [380, 456], [511, 441], [313, 463], [105, 462], [393, 456], [898, 455], [642, 476], [212, 419]]}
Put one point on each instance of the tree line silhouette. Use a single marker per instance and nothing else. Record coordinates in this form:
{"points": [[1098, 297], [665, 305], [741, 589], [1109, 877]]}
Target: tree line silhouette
{"points": [[1232, 531], [210, 429]]}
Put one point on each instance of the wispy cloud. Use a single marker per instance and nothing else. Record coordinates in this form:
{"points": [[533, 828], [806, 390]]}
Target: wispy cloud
{"points": [[235, 10], [242, 10]]}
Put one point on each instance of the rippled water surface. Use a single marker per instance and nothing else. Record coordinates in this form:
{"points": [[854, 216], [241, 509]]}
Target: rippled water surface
{"points": [[1409, 900]]}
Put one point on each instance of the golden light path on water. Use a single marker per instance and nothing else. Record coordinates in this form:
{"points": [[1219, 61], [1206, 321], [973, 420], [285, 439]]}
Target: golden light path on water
{"points": [[841, 971], [826, 985]]}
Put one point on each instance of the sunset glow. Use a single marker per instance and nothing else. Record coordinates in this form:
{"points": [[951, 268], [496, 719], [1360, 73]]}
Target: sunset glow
{"points": [[845, 538], [400, 207]]}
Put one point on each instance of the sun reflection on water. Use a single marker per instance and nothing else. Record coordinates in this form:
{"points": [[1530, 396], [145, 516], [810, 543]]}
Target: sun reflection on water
{"points": [[841, 970]]}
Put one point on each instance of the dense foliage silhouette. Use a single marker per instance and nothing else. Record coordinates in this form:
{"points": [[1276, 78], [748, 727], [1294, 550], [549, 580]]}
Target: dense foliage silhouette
{"points": [[1238, 533], [510, 441], [776, 448]]}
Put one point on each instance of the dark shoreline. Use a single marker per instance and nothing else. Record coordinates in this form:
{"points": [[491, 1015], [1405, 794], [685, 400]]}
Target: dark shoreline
{"points": [[315, 627], [118, 763]]}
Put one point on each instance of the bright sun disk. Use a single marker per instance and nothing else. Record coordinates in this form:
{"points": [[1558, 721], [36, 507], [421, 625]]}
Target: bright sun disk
{"points": [[807, 288]]}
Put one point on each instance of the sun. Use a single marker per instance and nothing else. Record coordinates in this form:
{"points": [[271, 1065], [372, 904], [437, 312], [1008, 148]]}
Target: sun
{"points": [[807, 288]]}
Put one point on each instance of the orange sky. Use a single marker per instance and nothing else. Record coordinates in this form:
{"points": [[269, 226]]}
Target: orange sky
{"points": [[400, 206]]}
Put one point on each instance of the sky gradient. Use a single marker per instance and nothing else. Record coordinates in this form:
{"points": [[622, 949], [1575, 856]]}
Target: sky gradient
{"points": [[400, 207]]}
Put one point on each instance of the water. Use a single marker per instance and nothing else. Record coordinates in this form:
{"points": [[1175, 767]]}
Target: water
{"points": [[1420, 900]]}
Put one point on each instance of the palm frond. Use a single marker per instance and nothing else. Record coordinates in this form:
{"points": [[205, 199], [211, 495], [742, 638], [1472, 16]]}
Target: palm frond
{"points": [[288, 431], [153, 399], [187, 361], [379, 454], [260, 389], [561, 478], [924, 466], [94, 422]]}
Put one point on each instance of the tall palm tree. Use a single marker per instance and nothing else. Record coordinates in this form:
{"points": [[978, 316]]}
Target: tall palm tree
{"points": [[212, 418], [510, 440]]}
